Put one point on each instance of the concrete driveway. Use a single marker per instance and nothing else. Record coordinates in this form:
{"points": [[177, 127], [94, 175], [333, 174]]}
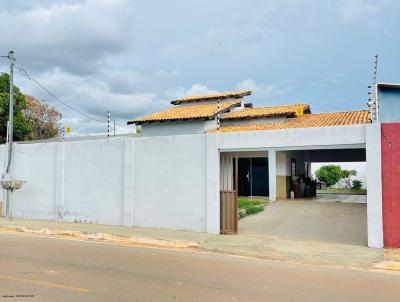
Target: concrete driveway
{"points": [[324, 219]]}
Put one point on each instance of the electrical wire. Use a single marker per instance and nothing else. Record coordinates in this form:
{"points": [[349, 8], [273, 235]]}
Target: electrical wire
{"points": [[74, 84], [25, 74]]}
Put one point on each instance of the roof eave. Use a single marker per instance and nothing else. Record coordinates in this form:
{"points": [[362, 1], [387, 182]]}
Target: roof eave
{"points": [[170, 120], [238, 96], [389, 85]]}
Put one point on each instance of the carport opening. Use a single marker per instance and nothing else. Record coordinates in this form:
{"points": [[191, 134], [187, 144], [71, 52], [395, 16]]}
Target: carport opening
{"points": [[314, 213]]}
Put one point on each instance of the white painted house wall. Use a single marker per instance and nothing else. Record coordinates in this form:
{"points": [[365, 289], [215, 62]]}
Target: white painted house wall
{"points": [[253, 121], [173, 128]]}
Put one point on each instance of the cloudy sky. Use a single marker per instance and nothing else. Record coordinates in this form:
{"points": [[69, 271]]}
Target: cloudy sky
{"points": [[133, 57]]}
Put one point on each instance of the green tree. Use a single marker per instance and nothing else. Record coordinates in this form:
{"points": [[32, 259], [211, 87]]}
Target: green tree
{"points": [[329, 174], [21, 126]]}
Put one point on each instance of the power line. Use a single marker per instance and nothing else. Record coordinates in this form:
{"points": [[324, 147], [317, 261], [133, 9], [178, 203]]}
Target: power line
{"points": [[25, 74], [75, 84]]}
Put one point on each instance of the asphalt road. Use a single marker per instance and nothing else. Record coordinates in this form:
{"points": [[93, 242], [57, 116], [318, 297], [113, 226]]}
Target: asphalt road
{"points": [[48, 269]]}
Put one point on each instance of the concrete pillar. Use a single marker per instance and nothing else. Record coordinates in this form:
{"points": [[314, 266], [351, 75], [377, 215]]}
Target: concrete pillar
{"points": [[272, 174], [212, 185], [59, 181], [374, 185], [128, 206]]}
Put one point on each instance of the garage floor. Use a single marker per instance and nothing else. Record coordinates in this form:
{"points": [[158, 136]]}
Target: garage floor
{"points": [[325, 218]]}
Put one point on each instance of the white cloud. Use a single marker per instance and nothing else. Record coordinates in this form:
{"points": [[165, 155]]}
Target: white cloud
{"points": [[196, 89], [76, 37], [262, 91], [352, 11]]}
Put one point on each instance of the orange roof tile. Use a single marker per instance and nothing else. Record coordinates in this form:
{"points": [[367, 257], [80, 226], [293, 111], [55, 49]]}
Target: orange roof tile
{"points": [[307, 121], [266, 112], [189, 112], [212, 96]]}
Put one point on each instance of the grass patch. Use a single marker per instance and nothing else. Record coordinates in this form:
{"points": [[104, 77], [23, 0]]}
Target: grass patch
{"points": [[249, 206], [342, 190]]}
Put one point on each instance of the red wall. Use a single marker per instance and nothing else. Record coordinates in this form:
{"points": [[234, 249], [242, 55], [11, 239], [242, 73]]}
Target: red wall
{"points": [[390, 141]]}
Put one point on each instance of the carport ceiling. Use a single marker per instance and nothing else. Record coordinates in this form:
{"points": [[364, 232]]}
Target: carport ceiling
{"points": [[337, 155]]}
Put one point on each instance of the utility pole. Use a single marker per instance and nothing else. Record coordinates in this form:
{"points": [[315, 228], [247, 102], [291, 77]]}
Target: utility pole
{"points": [[218, 115], [11, 114], [373, 103], [108, 123]]}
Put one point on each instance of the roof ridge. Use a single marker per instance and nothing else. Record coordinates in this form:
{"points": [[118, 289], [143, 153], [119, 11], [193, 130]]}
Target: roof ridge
{"points": [[212, 95], [293, 104], [349, 111]]}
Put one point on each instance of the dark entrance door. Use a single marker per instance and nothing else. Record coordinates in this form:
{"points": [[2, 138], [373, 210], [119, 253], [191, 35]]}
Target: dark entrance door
{"points": [[244, 177], [259, 176], [253, 176]]}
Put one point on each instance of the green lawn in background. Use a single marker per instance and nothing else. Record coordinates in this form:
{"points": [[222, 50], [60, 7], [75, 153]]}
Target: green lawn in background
{"points": [[251, 205], [342, 190]]}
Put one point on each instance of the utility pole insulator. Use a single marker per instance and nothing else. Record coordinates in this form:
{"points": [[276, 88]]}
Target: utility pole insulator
{"points": [[108, 123], [373, 104]]}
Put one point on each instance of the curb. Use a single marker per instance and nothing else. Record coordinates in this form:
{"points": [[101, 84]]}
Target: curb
{"points": [[105, 237], [388, 265]]}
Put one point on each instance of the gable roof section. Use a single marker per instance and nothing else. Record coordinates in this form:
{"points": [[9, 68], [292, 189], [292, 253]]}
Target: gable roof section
{"points": [[211, 96], [285, 110], [190, 112], [307, 121]]}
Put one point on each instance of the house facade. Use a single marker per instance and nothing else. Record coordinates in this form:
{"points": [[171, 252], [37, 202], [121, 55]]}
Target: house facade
{"points": [[192, 160], [228, 112]]}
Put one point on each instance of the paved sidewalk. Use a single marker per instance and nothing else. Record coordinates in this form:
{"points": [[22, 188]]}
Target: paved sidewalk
{"points": [[272, 248]]}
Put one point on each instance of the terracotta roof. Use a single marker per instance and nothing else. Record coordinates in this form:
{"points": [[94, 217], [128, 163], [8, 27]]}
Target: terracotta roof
{"points": [[307, 121], [189, 112], [212, 96], [286, 110]]}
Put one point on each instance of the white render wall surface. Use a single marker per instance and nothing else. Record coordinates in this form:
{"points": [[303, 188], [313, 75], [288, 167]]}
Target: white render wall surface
{"points": [[374, 186], [149, 182], [170, 182], [254, 121], [174, 128]]}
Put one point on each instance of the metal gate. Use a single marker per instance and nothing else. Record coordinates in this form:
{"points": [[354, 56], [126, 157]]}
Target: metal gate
{"points": [[228, 193]]}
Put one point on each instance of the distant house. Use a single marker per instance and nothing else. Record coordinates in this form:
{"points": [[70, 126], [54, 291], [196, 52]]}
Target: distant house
{"points": [[227, 112]]}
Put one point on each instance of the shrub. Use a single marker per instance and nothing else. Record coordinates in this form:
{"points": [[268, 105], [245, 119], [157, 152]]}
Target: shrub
{"points": [[357, 185]]}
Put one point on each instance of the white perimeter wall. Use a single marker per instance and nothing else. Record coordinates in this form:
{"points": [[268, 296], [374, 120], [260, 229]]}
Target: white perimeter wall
{"points": [[167, 181], [150, 182]]}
